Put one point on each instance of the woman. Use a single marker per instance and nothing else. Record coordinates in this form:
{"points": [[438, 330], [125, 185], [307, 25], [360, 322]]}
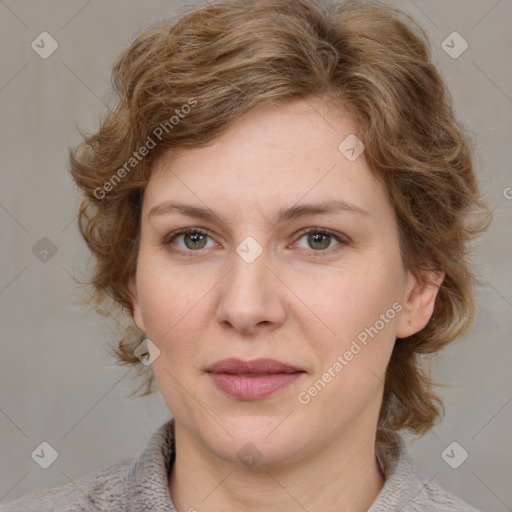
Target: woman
{"points": [[282, 202]]}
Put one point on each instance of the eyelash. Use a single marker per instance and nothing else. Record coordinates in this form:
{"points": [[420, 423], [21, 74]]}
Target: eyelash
{"points": [[319, 253]]}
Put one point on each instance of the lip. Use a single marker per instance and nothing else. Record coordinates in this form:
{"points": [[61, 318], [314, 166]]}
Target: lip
{"points": [[252, 380], [256, 366]]}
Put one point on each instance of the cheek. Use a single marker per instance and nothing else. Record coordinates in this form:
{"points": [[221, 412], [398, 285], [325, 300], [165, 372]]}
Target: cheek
{"points": [[173, 305], [352, 363], [353, 301], [361, 308]]}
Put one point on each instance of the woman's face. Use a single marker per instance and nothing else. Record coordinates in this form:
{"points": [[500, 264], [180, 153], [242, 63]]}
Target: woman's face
{"points": [[281, 269]]}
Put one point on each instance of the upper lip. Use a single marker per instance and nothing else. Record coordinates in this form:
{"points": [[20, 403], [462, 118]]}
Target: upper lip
{"points": [[256, 366]]}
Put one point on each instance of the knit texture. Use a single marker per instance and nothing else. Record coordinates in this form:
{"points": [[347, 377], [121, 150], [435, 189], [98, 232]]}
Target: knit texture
{"points": [[141, 484]]}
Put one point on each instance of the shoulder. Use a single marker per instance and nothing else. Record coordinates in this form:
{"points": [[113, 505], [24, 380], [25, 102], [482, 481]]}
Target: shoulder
{"points": [[126, 486], [431, 497], [98, 491], [404, 488]]}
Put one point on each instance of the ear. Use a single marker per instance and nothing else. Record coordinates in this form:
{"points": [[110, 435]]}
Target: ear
{"points": [[137, 314], [419, 301]]}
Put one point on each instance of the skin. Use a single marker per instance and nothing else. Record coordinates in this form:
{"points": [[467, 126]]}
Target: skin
{"points": [[301, 302]]}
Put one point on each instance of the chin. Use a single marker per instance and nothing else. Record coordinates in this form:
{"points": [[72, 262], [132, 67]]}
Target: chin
{"points": [[257, 441]]}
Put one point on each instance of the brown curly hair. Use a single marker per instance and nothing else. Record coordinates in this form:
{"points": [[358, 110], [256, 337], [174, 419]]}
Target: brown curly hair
{"points": [[183, 82]]}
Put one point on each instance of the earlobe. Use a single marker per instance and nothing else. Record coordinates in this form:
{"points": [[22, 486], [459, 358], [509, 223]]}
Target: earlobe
{"points": [[420, 302], [137, 314]]}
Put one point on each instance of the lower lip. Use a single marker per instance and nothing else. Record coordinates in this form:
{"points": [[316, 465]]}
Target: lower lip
{"points": [[253, 388]]}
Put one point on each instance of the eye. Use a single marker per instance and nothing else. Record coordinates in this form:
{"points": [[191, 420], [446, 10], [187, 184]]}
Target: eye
{"points": [[193, 239], [319, 240]]}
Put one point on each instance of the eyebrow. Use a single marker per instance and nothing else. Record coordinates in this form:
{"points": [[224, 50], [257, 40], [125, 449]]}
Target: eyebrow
{"points": [[283, 215]]}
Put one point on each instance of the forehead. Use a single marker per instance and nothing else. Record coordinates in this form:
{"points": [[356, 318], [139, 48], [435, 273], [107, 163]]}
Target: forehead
{"points": [[276, 155]]}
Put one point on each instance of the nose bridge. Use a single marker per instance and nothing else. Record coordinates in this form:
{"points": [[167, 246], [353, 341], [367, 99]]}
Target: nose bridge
{"points": [[249, 295]]}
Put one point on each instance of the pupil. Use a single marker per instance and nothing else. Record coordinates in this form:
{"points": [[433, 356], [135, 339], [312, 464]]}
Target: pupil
{"points": [[195, 238], [316, 238]]}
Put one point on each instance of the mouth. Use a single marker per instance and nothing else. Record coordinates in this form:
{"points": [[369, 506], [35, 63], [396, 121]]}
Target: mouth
{"points": [[252, 380], [255, 367]]}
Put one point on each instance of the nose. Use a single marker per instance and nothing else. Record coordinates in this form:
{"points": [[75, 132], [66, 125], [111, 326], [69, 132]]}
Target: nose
{"points": [[252, 299]]}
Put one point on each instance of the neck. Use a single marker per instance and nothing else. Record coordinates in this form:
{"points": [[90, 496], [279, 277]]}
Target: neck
{"points": [[344, 476]]}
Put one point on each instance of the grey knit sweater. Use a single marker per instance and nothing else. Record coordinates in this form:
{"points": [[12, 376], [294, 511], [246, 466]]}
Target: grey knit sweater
{"points": [[141, 485]]}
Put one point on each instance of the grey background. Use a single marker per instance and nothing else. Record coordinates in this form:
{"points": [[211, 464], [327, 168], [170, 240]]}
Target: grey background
{"points": [[56, 382]]}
